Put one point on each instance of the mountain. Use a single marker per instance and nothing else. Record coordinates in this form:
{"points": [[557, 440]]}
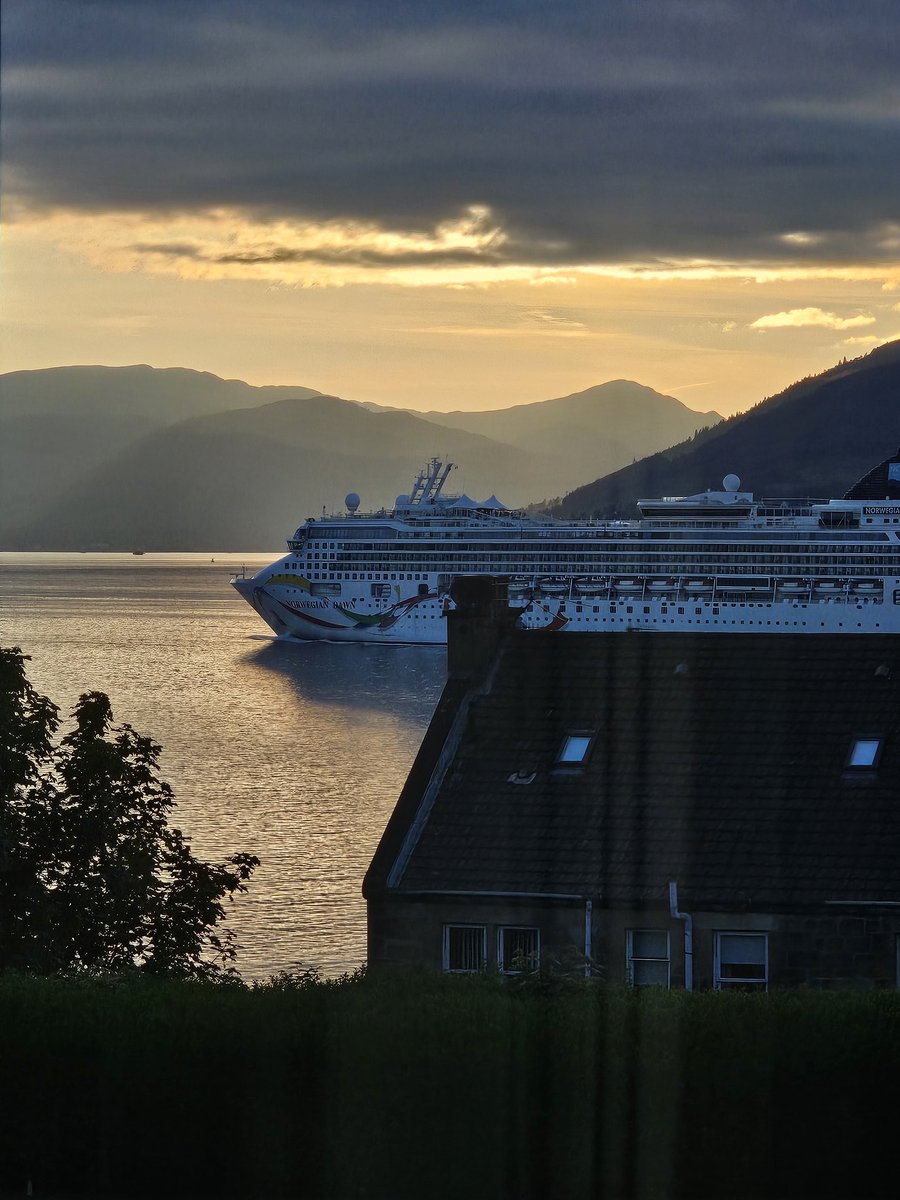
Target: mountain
{"points": [[58, 425], [816, 438], [113, 457], [153, 395], [245, 479], [593, 431]]}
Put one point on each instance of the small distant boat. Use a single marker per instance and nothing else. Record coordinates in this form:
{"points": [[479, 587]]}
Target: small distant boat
{"points": [[137, 552]]}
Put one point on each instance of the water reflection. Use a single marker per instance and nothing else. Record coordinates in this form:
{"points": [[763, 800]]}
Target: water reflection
{"points": [[402, 680], [293, 751]]}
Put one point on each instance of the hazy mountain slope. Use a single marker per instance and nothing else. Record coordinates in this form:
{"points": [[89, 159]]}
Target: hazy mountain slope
{"points": [[156, 395], [60, 424], [596, 430], [245, 479], [42, 455], [814, 438]]}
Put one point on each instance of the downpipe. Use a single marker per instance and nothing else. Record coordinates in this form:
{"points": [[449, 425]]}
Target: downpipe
{"points": [[688, 936]]}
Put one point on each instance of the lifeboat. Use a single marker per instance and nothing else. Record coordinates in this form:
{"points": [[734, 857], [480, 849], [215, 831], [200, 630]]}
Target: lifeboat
{"points": [[591, 585], [661, 585], [697, 586], [752, 586], [793, 587], [554, 585], [630, 587]]}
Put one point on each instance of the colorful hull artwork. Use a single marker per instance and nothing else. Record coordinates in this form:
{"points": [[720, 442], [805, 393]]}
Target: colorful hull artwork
{"points": [[414, 619]]}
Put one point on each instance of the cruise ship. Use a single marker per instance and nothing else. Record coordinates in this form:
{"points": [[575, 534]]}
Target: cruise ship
{"points": [[718, 560]]}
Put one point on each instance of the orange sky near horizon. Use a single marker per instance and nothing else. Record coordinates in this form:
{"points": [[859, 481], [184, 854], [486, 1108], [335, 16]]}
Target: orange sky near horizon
{"points": [[716, 336]]}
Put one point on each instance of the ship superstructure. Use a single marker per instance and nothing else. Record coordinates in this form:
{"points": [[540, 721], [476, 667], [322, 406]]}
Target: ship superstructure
{"points": [[716, 560]]}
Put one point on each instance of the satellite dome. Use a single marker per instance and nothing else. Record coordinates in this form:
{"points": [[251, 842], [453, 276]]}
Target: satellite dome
{"points": [[731, 483], [352, 501], [402, 501]]}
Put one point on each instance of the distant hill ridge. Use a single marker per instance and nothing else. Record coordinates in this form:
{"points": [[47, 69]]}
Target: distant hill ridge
{"points": [[817, 437], [173, 459]]}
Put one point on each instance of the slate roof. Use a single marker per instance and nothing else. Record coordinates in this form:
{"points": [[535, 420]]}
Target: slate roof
{"points": [[720, 761]]}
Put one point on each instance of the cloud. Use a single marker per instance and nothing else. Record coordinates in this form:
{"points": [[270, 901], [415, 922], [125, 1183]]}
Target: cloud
{"points": [[470, 250], [799, 318], [553, 322], [869, 340], [594, 134]]}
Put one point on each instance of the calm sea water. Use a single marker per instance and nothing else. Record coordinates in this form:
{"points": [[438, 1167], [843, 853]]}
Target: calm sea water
{"points": [[295, 752]]}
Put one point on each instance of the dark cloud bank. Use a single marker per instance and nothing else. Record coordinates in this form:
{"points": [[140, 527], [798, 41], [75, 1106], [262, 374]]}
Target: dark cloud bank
{"points": [[594, 131]]}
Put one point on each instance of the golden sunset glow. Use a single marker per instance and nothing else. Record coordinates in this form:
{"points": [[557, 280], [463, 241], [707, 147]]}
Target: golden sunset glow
{"points": [[387, 216]]}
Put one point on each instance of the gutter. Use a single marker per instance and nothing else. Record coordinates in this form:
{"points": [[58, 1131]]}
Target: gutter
{"points": [[688, 936]]}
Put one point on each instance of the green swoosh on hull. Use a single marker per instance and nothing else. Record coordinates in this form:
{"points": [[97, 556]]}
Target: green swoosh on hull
{"points": [[365, 618]]}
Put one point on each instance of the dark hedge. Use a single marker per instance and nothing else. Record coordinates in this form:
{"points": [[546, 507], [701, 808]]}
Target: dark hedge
{"points": [[428, 1087]]}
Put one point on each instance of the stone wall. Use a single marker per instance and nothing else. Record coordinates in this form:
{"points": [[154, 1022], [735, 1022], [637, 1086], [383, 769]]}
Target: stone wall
{"points": [[840, 946]]}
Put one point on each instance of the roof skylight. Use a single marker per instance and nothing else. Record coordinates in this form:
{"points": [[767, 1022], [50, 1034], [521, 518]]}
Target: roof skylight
{"points": [[575, 749], [864, 752]]}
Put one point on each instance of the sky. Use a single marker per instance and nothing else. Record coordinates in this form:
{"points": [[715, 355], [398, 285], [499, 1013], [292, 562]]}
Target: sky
{"points": [[456, 205]]}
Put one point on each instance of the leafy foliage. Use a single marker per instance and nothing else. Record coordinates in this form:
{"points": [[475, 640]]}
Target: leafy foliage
{"points": [[92, 876]]}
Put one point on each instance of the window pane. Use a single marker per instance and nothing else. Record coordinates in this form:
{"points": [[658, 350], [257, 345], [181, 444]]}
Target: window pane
{"points": [[864, 752], [465, 947], [646, 973], [649, 943], [744, 948], [743, 971], [574, 748], [519, 949]]}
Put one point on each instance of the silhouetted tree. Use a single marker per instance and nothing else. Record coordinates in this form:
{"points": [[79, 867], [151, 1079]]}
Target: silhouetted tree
{"points": [[92, 876]]}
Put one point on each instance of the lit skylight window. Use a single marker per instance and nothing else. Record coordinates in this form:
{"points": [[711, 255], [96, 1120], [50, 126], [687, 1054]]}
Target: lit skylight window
{"points": [[575, 749], [864, 752]]}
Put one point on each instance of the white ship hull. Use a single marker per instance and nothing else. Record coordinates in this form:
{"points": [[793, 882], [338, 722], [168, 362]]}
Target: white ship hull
{"points": [[717, 561], [420, 619]]}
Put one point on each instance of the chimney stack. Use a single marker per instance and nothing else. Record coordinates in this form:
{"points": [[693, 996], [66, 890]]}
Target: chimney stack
{"points": [[478, 625]]}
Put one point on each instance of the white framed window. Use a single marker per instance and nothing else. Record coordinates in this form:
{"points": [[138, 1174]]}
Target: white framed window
{"points": [[518, 949], [742, 962], [648, 957], [465, 948]]}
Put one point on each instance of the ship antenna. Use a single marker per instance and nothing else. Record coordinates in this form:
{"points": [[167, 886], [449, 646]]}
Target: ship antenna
{"points": [[442, 479], [433, 468]]}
